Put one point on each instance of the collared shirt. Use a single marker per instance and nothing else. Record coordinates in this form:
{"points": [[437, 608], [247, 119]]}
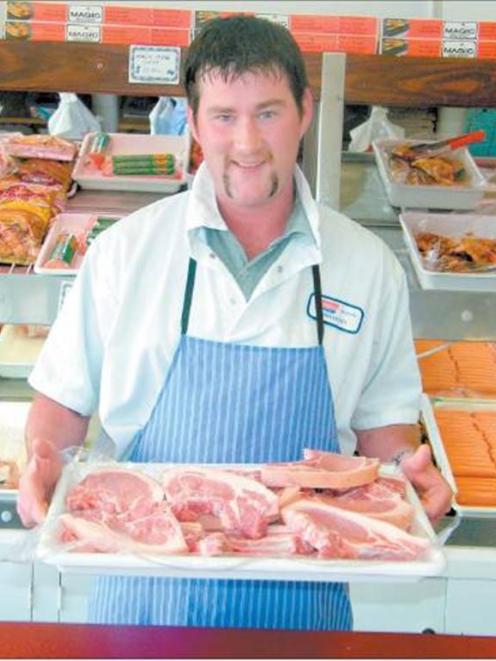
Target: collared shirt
{"points": [[249, 272], [114, 339]]}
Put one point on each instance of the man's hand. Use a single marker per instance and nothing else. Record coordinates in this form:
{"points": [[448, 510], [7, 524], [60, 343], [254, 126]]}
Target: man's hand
{"points": [[434, 492], [38, 481]]}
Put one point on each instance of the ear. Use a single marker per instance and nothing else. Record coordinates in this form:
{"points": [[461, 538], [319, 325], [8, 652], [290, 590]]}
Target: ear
{"points": [[306, 111], [192, 124]]}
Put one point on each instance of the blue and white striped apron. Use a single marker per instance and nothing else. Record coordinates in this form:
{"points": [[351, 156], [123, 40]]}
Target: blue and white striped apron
{"points": [[233, 403]]}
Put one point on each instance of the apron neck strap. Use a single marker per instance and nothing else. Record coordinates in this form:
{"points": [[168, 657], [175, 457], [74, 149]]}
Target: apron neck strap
{"points": [[190, 283], [317, 290], [188, 295]]}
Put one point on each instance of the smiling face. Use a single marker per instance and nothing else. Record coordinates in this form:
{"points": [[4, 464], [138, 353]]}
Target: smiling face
{"points": [[249, 128]]}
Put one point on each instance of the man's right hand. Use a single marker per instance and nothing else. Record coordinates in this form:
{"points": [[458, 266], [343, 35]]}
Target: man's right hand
{"points": [[38, 481]]}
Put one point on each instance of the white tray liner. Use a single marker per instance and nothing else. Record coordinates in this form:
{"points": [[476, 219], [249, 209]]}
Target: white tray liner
{"points": [[225, 566]]}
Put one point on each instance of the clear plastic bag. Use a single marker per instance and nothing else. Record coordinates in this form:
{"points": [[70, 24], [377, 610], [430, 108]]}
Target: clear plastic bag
{"points": [[376, 126], [72, 119]]}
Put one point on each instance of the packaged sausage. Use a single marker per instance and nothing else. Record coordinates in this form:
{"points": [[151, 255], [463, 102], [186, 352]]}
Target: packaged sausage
{"points": [[21, 234]]}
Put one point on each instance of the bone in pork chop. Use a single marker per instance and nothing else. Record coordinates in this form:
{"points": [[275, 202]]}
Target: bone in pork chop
{"points": [[338, 533], [126, 509], [243, 505], [321, 470]]}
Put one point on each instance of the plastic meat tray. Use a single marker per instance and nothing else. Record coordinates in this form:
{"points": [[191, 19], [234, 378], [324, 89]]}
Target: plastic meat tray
{"points": [[229, 566], [452, 225], [130, 143], [465, 197]]}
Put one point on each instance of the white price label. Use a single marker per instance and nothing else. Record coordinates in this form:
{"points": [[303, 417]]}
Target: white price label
{"points": [[85, 14], [460, 30], [459, 48], [85, 33], [154, 64], [65, 288]]}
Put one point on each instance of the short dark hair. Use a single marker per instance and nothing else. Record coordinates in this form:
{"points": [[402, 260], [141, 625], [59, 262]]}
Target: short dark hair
{"points": [[237, 44]]}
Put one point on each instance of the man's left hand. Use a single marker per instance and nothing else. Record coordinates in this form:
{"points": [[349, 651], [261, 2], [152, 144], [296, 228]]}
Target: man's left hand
{"points": [[434, 492]]}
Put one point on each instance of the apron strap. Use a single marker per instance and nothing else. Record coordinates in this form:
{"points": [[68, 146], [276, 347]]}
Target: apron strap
{"points": [[190, 283], [188, 295], [317, 289]]}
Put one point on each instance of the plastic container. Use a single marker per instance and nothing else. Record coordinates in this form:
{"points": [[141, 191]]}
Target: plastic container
{"points": [[121, 144], [74, 223], [439, 451], [233, 566], [451, 225], [457, 197]]}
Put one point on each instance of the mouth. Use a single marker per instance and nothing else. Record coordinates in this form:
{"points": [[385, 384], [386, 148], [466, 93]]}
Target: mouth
{"points": [[248, 165]]}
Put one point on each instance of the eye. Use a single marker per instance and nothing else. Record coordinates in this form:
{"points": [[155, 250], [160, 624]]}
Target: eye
{"points": [[223, 117], [268, 114]]}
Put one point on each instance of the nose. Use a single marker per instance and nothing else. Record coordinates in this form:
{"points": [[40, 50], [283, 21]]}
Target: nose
{"points": [[247, 136]]}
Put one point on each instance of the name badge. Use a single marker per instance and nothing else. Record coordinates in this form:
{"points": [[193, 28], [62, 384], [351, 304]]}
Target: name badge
{"points": [[339, 314]]}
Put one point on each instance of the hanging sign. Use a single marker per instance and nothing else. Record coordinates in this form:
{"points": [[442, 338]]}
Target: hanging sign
{"points": [[154, 64]]}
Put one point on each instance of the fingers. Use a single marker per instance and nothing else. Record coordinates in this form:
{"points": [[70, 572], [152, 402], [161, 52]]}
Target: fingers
{"points": [[37, 482]]}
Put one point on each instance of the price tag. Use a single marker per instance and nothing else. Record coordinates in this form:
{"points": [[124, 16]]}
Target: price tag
{"points": [[154, 64], [65, 287]]}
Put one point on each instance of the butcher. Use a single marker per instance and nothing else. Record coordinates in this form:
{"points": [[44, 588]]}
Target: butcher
{"points": [[236, 322]]}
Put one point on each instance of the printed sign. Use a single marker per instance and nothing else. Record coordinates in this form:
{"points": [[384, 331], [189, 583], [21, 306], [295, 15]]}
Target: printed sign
{"points": [[460, 30], [85, 14], [459, 48], [88, 33], [339, 314], [154, 64]]}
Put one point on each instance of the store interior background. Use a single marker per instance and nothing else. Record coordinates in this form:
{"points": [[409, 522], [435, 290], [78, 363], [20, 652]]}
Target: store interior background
{"points": [[395, 607]]}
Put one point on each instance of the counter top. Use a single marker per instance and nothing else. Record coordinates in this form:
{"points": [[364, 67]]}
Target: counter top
{"points": [[33, 640]]}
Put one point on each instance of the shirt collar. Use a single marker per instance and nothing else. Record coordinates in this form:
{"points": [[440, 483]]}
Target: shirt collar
{"points": [[202, 209]]}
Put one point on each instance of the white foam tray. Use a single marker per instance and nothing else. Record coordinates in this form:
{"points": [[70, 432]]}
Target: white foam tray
{"points": [[229, 566], [415, 196], [66, 222], [437, 445], [133, 143], [452, 225]]}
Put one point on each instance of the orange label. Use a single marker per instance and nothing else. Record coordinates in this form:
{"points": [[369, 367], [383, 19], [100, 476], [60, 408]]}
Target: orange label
{"points": [[37, 11], [416, 47], [487, 30], [32, 31], [335, 43], [172, 37], [121, 15], [412, 27], [486, 49], [333, 24]]}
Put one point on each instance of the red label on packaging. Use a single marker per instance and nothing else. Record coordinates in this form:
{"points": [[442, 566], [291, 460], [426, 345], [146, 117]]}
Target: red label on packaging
{"points": [[487, 31], [486, 49], [412, 27], [335, 43], [132, 16], [415, 47], [333, 24], [37, 11], [33, 31], [172, 37]]}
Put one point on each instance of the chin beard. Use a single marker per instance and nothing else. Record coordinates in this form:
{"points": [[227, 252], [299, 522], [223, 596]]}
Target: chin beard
{"points": [[229, 190]]}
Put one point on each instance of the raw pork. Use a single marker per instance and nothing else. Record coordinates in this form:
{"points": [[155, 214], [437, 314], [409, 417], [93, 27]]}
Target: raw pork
{"points": [[243, 505], [321, 470], [338, 533]]}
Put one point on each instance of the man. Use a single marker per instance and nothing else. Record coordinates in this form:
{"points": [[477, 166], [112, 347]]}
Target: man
{"points": [[198, 329]]}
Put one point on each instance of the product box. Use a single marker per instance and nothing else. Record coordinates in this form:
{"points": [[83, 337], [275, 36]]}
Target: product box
{"points": [[203, 16], [348, 25], [120, 34], [336, 43], [428, 47], [64, 12], [412, 28]]}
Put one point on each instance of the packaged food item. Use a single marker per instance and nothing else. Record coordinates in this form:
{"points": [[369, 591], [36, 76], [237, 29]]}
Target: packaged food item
{"points": [[63, 252], [98, 149], [21, 235], [45, 172], [101, 223], [162, 164], [40, 146], [36, 205]]}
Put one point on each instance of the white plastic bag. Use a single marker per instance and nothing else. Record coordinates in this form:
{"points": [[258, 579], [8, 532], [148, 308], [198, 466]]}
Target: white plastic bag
{"points": [[376, 126], [168, 116], [72, 119]]}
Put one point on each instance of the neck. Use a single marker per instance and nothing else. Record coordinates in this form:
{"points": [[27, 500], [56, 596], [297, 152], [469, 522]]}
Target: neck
{"points": [[256, 227]]}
